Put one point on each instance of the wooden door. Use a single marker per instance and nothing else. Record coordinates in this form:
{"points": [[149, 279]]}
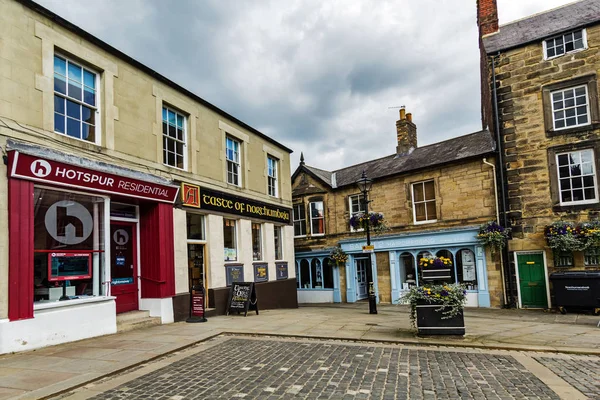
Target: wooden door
{"points": [[123, 265], [532, 281], [361, 278]]}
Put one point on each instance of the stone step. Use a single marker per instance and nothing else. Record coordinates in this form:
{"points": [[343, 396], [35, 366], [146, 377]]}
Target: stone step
{"points": [[135, 320]]}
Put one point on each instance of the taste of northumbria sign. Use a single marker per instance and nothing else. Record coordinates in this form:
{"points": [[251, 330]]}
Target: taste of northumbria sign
{"points": [[208, 199]]}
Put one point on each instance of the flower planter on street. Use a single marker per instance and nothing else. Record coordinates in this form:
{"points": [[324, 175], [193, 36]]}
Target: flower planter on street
{"points": [[431, 320]]}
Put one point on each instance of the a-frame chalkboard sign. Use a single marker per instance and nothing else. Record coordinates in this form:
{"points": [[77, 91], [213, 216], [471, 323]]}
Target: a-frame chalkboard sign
{"points": [[242, 297]]}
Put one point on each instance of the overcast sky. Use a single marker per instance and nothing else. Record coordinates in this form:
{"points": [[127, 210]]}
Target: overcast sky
{"points": [[319, 76]]}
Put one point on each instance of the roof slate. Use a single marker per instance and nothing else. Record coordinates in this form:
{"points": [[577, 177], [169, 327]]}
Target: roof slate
{"points": [[543, 25], [462, 147], [325, 176]]}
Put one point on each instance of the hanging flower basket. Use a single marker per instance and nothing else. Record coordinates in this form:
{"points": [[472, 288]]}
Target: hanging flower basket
{"points": [[338, 255], [437, 309], [493, 235], [564, 236], [374, 220], [590, 234]]}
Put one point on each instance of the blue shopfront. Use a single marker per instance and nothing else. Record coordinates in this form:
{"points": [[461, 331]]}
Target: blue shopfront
{"points": [[319, 279]]}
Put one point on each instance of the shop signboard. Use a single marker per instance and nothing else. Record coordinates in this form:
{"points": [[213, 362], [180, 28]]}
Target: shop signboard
{"points": [[282, 270], [213, 200], [38, 169], [234, 273], [261, 272]]}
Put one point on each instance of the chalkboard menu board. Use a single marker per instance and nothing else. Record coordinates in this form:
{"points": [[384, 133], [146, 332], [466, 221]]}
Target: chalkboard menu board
{"points": [[242, 297]]}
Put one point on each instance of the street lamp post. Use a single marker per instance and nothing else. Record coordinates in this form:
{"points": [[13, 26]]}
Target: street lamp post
{"points": [[364, 184]]}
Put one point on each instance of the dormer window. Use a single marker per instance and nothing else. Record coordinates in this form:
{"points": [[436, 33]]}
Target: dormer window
{"points": [[565, 43]]}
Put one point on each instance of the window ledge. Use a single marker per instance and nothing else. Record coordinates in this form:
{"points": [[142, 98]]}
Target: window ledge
{"points": [[233, 263], [433, 221], [576, 207], [40, 306]]}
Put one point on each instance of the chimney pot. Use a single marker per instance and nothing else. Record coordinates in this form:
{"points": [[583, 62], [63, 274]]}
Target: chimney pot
{"points": [[402, 113], [409, 117]]}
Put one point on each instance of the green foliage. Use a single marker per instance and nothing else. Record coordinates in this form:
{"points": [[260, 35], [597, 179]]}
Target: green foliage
{"points": [[451, 299], [338, 255]]}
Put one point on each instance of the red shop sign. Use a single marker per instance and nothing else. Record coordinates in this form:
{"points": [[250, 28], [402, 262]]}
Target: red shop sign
{"points": [[39, 169]]}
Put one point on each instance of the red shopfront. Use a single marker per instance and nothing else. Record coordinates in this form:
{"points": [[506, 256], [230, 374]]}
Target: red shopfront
{"points": [[76, 232]]}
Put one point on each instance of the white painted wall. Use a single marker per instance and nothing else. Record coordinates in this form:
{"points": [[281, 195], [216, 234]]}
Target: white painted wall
{"points": [[315, 296], [214, 235], [67, 323], [181, 261], [288, 250], [162, 308]]}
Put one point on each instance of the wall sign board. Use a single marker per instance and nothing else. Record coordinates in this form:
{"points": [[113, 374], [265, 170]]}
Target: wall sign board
{"points": [[261, 272], [282, 270]]}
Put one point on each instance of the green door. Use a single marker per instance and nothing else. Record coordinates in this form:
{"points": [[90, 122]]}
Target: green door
{"points": [[532, 280]]}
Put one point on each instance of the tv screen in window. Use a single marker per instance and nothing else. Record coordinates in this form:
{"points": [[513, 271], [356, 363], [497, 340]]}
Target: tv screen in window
{"points": [[69, 266]]}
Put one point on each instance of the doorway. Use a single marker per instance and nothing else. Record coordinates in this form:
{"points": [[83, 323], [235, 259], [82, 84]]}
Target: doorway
{"points": [[531, 273], [362, 286], [196, 264], [123, 265]]}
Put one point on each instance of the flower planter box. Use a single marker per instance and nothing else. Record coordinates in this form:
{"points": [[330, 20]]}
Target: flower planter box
{"points": [[429, 321], [442, 274]]}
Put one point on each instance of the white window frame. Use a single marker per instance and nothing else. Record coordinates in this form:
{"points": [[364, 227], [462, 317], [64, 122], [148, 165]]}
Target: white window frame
{"points": [[167, 137], [414, 208], [570, 203], [237, 163], [260, 241], [278, 228], [311, 218], [587, 107], [96, 108], [294, 219], [360, 209], [545, 44], [272, 189], [592, 254], [235, 241]]}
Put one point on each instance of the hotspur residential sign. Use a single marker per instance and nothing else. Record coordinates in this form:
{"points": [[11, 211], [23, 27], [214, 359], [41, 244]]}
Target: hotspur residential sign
{"points": [[38, 169]]}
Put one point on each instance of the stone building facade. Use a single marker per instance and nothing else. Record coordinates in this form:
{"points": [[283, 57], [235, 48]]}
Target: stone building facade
{"points": [[454, 189], [540, 75], [122, 189]]}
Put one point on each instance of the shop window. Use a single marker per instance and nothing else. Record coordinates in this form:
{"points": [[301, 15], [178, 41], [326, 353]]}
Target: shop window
{"points": [[174, 138], [424, 209], [448, 254], [577, 177], [297, 275], [407, 270], [304, 276], [232, 154], [272, 176], [591, 257], [317, 218], [68, 245], [278, 241], [299, 214], [314, 274], [563, 259], [195, 227], [466, 268], [75, 100], [356, 205], [257, 253], [229, 240], [328, 273], [423, 254]]}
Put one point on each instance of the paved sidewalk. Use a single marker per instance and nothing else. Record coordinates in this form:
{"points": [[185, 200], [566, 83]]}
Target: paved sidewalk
{"points": [[42, 373]]}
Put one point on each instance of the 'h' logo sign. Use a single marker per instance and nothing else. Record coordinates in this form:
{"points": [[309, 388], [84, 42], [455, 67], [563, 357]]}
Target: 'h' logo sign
{"points": [[41, 168], [190, 195]]}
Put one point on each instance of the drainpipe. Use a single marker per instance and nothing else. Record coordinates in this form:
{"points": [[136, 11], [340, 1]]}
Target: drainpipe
{"points": [[502, 203], [486, 162]]}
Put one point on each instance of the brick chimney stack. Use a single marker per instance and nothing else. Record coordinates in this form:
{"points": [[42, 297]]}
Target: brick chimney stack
{"points": [[487, 16], [407, 133]]}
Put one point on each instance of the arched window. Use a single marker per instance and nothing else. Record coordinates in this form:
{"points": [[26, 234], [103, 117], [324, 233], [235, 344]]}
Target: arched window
{"points": [[304, 274], [422, 254], [317, 274], [407, 270], [328, 273], [297, 275], [466, 268], [448, 254]]}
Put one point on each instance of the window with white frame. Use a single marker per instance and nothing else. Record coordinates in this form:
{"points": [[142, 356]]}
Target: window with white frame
{"points": [[591, 257], [577, 177], [317, 218], [232, 154], [278, 241], [565, 43], [356, 205], [229, 240], [272, 176], [570, 107], [257, 253], [299, 216], [174, 138], [75, 100], [563, 259], [423, 194]]}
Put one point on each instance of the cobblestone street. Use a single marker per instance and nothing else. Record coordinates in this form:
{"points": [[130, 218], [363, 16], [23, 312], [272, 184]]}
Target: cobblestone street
{"points": [[269, 368]]}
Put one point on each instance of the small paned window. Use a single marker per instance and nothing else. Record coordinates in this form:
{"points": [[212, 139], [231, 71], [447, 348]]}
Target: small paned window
{"points": [[174, 138], [591, 257], [195, 227], [317, 218], [566, 43], [256, 242], [278, 239], [570, 107], [577, 177], [563, 259], [229, 240], [299, 214], [272, 176], [75, 100], [424, 202], [233, 161], [356, 205]]}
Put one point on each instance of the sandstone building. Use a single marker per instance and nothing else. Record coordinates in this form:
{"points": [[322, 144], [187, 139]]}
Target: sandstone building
{"points": [[122, 188], [434, 199], [540, 94]]}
